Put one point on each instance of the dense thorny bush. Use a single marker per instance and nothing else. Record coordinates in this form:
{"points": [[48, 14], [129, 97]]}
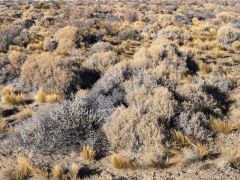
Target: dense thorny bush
{"points": [[64, 126], [51, 72]]}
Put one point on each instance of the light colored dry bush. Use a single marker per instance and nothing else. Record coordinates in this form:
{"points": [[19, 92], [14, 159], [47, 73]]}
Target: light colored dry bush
{"points": [[64, 126], [113, 78], [126, 124], [49, 44], [101, 47], [194, 125], [158, 103], [49, 72], [67, 38], [227, 35], [120, 162], [165, 20], [157, 96], [236, 46], [16, 58], [88, 153], [128, 34], [226, 17], [130, 15], [173, 33], [7, 36], [101, 61]]}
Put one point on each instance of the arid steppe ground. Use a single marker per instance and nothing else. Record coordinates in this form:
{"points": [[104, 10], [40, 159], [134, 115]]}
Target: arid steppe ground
{"points": [[120, 90]]}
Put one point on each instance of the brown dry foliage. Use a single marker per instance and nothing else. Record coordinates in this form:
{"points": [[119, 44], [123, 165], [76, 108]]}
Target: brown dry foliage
{"points": [[49, 72]]}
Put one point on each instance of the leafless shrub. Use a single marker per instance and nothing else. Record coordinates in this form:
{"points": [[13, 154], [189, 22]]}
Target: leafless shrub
{"points": [[62, 127]]}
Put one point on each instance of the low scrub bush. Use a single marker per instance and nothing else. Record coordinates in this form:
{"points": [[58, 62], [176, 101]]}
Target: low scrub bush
{"points": [[227, 35], [101, 47], [50, 72], [7, 36], [64, 126], [101, 61], [67, 38]]}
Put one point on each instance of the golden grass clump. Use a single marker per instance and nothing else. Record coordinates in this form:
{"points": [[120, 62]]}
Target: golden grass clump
{"points": [[88, 153], [61, 172], [53, 98], [9, 97], [120, 162], [180, 138], [220, 126], [24, 168], [74, 171], [37, 172], [57, 172], [202, 150], [43, 97], [3, 126], [205, 68]]}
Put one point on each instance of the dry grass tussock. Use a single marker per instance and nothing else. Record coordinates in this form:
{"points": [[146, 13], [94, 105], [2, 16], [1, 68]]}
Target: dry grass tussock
{"points": [[181, 139], [9, 97], [43, 97], [3, 126], [24, 170], [88, 152], [120, 162], [63, 172], [221, 126]]}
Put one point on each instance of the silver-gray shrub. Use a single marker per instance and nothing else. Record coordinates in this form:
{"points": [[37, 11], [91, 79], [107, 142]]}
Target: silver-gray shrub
{"points": [[65, 126]]}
